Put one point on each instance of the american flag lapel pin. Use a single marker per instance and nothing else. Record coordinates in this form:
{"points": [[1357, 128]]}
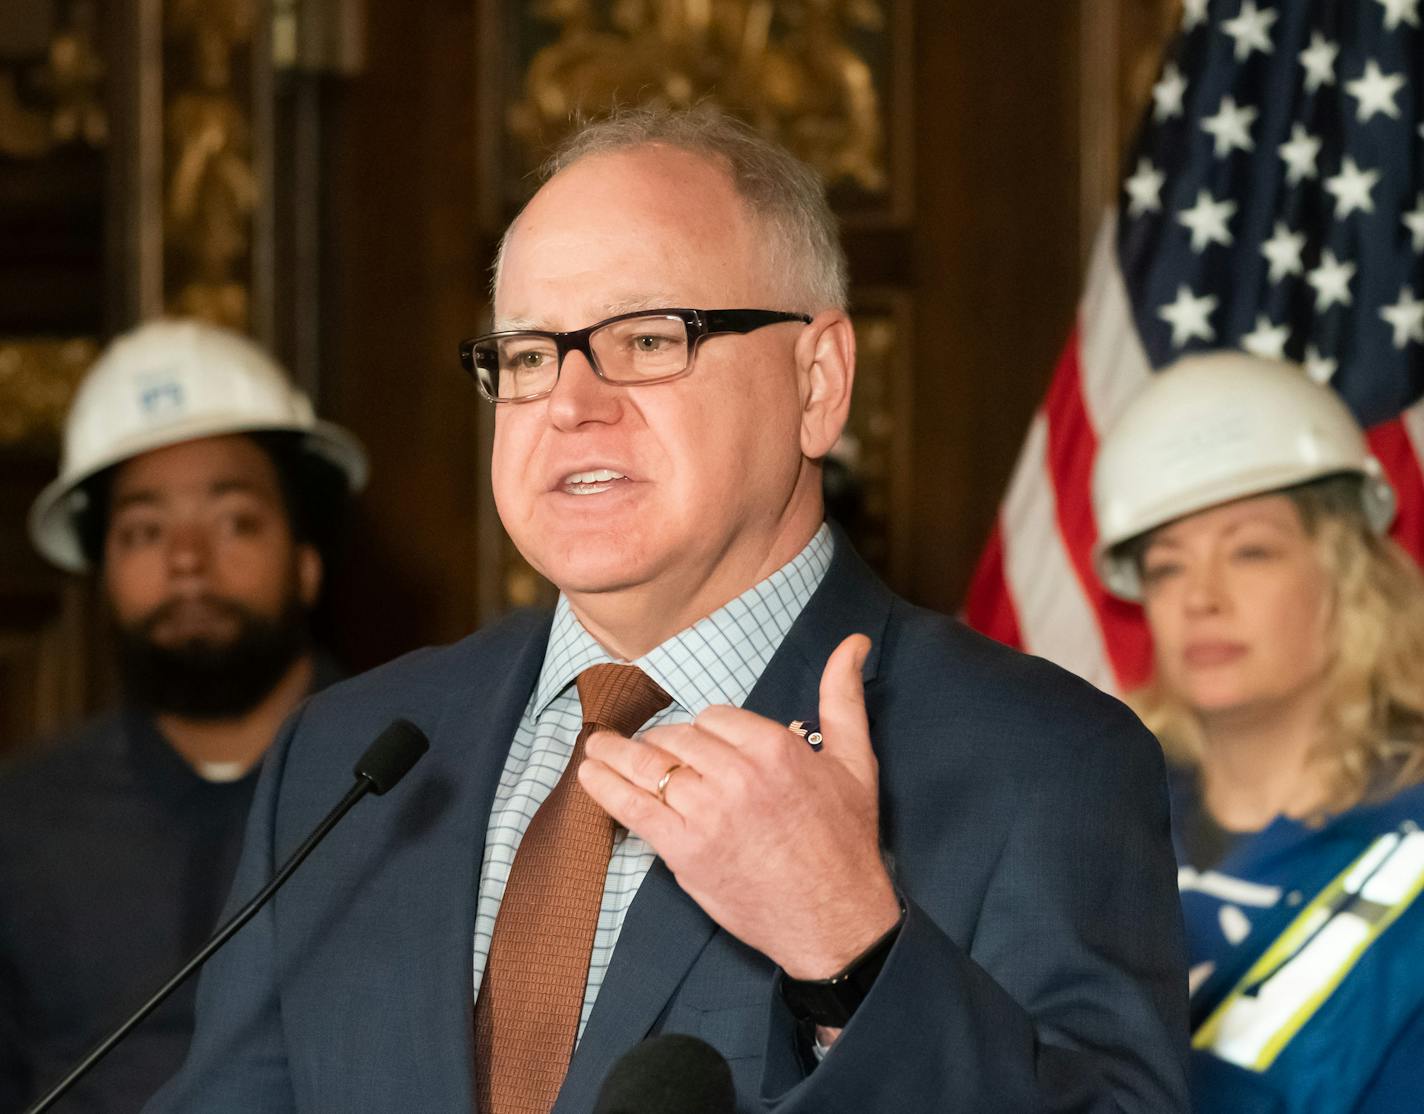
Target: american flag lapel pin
{"points": [[808, 731]]}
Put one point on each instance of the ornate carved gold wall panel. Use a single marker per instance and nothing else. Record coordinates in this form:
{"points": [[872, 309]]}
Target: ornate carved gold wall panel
{"points": [[57, 98], [54, 124], [37, 379], [211, 187], [817, 75], [192, 191]]}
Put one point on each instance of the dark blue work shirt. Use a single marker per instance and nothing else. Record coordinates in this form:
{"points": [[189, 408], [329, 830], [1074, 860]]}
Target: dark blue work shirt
{"points": [[115, 861]]}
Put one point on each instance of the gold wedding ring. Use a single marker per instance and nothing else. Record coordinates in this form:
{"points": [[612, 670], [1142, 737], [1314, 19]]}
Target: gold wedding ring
{"points": [[663, 782]]}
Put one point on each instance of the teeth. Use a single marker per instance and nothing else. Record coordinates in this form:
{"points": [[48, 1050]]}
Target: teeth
{"points": [[597, 476]]}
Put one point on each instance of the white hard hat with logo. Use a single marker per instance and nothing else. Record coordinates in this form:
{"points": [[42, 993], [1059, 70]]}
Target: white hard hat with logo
{"points": [[1216, 427], [165, 382]]}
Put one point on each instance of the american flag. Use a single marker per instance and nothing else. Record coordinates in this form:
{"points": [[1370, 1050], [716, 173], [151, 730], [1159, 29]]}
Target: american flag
{"points": [[1274, 203]]}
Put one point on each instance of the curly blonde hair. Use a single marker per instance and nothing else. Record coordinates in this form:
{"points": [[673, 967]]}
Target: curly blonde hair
{"points": [[1371, 739]]}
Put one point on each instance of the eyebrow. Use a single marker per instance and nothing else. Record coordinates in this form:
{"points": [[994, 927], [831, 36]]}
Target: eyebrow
{"points": [[1227, 531], [606, 310], [1268, 523], [149, 496]]}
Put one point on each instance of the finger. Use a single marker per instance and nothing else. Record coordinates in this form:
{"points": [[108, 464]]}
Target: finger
{"points": [[706, 753], [741, 728], [644, 767], [844, 725], [681, 789], [641, 813], [638, 761]]}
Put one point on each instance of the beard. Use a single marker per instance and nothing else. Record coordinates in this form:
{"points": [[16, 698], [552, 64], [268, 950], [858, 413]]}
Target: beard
{"points": [[206, 679]]}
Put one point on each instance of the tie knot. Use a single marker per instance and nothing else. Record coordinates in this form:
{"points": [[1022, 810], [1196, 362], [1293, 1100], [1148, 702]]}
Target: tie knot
{"points": [[619, 698]]}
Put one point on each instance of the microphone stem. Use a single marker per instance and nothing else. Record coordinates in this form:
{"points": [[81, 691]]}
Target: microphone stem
{"points": [[246, 913]]}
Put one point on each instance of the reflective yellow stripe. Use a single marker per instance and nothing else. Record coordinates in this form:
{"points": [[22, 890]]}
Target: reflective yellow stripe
{"points": [[1251, 1030]]}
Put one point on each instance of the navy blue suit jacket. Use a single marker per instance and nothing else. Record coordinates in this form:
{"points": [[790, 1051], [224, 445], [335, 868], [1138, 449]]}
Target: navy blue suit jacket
{"points": [[1040, 967]]}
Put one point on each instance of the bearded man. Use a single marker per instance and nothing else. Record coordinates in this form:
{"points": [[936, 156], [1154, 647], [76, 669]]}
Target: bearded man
{"points": [[199, 488]]}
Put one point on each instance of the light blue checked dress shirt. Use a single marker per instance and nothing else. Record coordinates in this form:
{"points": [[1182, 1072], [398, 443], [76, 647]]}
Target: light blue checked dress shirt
{"points": [[717, 660]]}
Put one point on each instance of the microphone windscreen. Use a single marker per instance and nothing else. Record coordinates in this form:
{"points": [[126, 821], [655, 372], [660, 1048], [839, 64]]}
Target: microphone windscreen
{"points": [[669, 1074], [391, 756]]}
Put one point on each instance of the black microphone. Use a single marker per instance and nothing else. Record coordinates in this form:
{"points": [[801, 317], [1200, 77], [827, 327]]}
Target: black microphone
{"points": [[669, 1074], [385, 762]]}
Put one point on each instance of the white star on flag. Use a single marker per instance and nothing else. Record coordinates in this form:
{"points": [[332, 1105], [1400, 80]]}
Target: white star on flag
{"points": [[1375, 91], [1207, 221], [1300, 153], [1319, 367], [1188, 316], [1415, 223], [1167, 94], [1399, 11], [1266, 340], [1406, 316], [1251, 30], [1193, 13], [1319, 62], [1331, 281], [1145, 189], [1351, 189], [1230, 127], [1283, 251]]}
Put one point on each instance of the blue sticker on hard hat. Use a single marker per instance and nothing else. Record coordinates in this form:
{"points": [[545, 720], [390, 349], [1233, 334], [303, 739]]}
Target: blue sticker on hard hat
{"points": [[159, 397]]}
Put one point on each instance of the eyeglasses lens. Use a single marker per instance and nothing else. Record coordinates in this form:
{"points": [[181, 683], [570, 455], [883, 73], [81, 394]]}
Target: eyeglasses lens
{"points": [[637, 349], [628, 350], [517, 366]]}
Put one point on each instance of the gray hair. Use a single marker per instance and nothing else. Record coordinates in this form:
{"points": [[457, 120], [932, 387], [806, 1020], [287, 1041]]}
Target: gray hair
{"points": [[778, 189]]}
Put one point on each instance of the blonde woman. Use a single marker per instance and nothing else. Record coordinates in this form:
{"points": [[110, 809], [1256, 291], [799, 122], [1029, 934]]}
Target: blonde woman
{"points": [[1239, 503]]}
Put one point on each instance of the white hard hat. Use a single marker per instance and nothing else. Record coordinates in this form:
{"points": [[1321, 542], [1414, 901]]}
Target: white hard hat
{"points": [[1217, 427], [165, 382]]}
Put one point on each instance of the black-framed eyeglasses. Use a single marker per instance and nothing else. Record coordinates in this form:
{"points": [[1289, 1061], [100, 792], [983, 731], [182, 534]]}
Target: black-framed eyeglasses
{"points": [[639, 348]]}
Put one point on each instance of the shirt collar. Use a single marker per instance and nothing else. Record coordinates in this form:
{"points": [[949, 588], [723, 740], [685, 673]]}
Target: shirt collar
{"points": [[717, 660]]}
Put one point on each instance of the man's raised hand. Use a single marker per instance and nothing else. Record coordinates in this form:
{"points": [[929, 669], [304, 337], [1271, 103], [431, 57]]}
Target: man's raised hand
{"points": [[777, 842]]}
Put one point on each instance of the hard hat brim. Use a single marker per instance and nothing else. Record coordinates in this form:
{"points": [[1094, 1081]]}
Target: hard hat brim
{"points": [[1117, 574], [51, 519]]}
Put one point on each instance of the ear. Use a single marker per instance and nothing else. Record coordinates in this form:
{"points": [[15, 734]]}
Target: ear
{"points": [[309, 573], [825, 362]]}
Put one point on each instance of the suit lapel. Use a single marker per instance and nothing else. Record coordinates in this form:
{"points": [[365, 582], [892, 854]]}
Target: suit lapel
{"points": [[665, 931], [662, 936], [437, 910], [850, 600]]}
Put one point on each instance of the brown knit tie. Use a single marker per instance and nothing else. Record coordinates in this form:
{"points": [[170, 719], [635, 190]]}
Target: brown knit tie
{"points": [[531, 996]]}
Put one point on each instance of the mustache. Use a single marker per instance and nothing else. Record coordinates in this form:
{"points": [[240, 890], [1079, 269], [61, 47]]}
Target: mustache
{"points": [[173, 608]]}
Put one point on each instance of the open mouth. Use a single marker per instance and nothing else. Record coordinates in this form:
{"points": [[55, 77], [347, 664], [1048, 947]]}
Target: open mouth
{"points": [[591, 482]]}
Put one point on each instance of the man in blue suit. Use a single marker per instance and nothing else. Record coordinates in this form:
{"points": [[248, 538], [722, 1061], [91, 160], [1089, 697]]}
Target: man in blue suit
{"points": [[882, 865]]}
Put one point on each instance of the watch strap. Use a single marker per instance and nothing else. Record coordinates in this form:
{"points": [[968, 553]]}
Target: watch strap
{"points": [[831, 1002]]}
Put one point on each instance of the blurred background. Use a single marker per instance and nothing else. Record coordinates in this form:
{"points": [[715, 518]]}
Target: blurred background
{"points": [[331, 176]]}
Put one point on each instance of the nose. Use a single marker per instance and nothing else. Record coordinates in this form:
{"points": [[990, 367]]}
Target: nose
{"points": [[581, 397], [1205, 590], [189, 551]]}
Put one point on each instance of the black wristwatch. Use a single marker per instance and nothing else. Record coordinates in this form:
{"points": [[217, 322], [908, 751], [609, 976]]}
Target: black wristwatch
{"points": [[831, 1002]]}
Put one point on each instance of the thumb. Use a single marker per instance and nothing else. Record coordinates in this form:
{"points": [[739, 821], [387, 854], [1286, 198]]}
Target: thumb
{"points": [[843, 721]]}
